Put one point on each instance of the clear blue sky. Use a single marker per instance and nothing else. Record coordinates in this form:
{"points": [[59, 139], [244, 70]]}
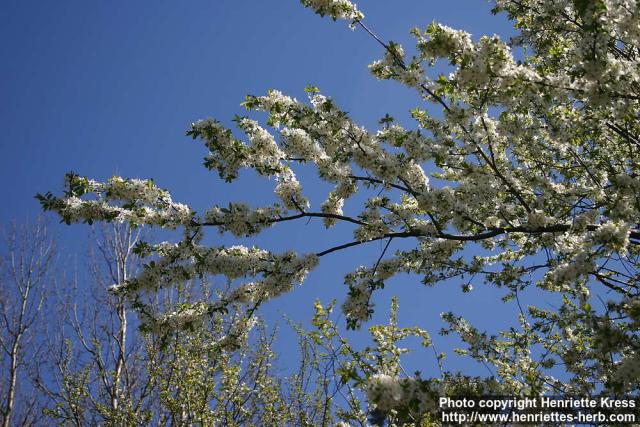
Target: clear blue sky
{"points": [[105, 88]]}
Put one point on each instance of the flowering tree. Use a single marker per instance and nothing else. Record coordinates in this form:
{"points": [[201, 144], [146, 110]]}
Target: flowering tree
{"points": [[528, 178]]}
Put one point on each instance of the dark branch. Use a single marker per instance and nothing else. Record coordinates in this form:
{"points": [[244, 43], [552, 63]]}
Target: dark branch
{"points": [[291, 218], [559, 228], [379, 181], [356, 243]]}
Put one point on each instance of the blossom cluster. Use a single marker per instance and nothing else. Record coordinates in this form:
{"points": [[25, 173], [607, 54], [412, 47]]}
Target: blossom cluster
{"points": [[628, 371], [389, 393], [139, 202], [613, 235], [185, 317], [240, 220], [336, 9], [186, 261], [237, 333]]}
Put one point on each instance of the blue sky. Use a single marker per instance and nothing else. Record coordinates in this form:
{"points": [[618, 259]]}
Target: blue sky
{"points": [[104, 88]]}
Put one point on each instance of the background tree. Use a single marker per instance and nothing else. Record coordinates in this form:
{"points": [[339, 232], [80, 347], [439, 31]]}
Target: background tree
{"points": [[97, 367], [27, 273], [526, 178]]}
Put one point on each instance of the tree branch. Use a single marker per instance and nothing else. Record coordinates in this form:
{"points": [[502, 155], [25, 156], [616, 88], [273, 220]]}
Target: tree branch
{"points": [[293, 217]]}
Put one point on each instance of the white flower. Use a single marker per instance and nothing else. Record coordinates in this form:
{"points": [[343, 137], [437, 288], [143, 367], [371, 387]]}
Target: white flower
{"points": [[628, 371], [336, 9], [384, 391], [537, 219]]}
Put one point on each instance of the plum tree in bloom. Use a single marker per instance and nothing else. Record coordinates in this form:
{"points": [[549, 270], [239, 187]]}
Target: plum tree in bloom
{"points": [[528, 178]]}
